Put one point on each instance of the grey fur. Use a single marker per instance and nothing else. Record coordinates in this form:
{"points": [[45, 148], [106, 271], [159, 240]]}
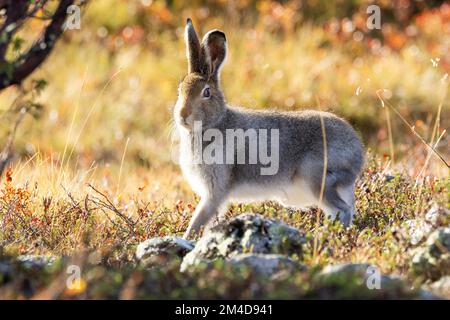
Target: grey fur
{"points": [[301, 152]]}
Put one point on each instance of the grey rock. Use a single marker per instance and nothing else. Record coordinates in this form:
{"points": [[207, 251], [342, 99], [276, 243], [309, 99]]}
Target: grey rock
{"points": [[163, 247], [36, 261], [425, 294], [439, 242], [360, 281], [265, 263], [366, 274], [432, 260], [350, 268], [5, 270], [436, 214], [8, 266], [246, 233], [441, 287], [416, 230]]}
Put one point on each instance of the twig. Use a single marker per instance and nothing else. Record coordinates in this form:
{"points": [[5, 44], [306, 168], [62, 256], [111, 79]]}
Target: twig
{"points": [[108, 204], [386, 103]]}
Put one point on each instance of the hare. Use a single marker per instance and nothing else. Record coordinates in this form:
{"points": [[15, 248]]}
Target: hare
{"points": [[310, 167]]}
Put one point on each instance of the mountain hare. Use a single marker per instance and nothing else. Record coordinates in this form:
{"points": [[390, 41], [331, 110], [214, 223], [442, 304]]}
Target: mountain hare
{"points": [[296, 144]]}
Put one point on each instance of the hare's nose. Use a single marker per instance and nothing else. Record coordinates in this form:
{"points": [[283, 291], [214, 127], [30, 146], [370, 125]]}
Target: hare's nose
{"points": [[185, 120], [186, 116]]}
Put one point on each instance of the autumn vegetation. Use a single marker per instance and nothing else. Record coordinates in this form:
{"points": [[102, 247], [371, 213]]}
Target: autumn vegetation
{"points": [[90, 170]]}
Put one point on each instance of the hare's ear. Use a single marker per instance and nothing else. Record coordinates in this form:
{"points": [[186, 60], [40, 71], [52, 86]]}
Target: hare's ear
{"points": [[193, 49], [214, 45]]}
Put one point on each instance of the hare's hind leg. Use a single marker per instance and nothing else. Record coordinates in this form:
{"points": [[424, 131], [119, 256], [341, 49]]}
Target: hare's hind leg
{"points": [[337, 195]]}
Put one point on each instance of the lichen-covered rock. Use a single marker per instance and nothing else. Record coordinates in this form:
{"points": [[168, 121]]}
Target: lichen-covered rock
{"points": [[365, 278], [36, 261], [366, 273], [440, 287], [432, 260], [345, 268], [265, 263], [418, 229], [415, 230], [425, 294], [437, 215], [162, 248], [5, 272], [10, 267], [246, 233]]}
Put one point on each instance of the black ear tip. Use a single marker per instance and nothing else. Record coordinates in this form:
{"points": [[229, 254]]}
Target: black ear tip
{"points": [[215, 33], [220, 33], [188, 21]]}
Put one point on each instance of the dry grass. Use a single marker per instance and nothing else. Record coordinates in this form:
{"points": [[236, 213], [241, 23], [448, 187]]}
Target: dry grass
{"points": [[95, 171], [96, 218]]}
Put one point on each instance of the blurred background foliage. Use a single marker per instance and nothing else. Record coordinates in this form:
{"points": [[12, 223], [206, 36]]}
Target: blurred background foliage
{"points": [[112, 84], [100, 112]]}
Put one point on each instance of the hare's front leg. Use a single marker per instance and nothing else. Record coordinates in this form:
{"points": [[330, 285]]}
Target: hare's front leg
{"points": [[207, 208]]}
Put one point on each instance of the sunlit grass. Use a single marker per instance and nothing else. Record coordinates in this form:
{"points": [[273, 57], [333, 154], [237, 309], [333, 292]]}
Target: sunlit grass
{"points": [[290, 72], [106, 132]]}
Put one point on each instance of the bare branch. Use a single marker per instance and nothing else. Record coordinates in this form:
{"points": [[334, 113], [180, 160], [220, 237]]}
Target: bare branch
{"points": [[39, 51], [16, 14]]}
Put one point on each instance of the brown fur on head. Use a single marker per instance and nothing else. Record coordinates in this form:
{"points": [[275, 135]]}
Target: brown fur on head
{"points": [[199, 94]]}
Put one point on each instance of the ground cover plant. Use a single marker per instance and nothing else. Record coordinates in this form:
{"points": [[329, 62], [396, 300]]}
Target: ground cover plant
{"points": [[92, 171]]}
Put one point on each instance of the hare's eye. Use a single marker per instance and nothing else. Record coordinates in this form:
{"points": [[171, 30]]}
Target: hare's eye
{"points": [[206, 92]]}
